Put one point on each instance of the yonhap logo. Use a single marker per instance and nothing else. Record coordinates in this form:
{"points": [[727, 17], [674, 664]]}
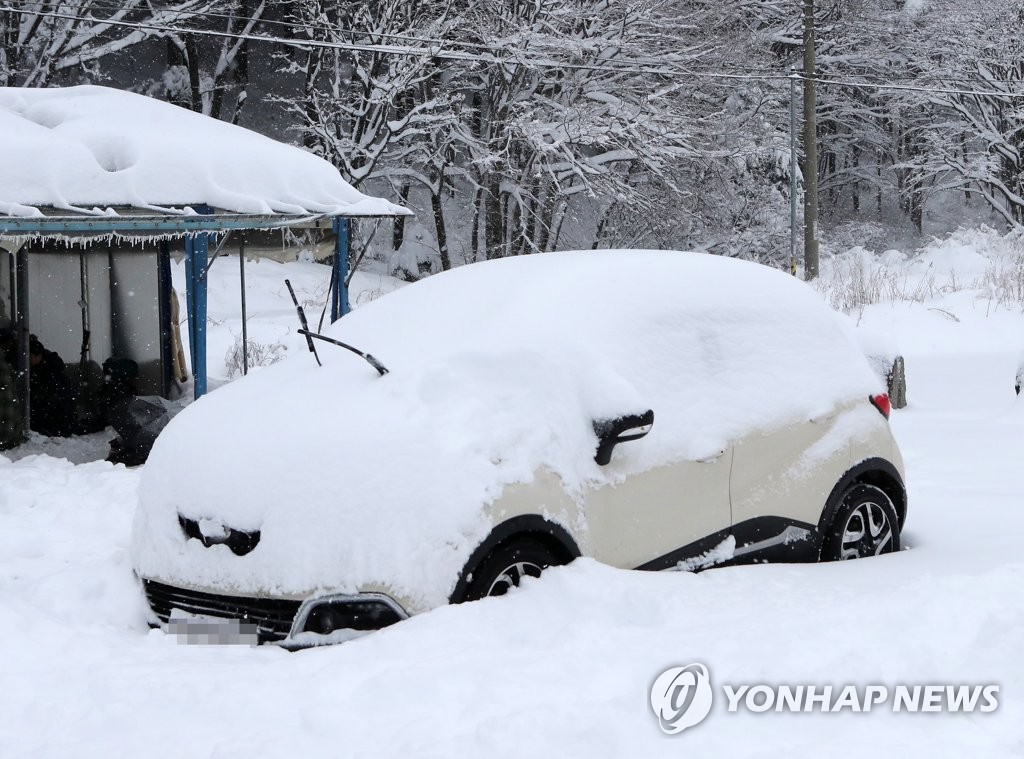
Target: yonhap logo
{"points": [[681, 697]]}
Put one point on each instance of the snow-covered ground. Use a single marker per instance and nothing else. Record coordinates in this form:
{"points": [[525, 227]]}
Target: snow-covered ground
{"points": [[561, 667]]}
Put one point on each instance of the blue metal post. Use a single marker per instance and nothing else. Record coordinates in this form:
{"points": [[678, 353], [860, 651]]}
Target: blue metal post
{"points": [[339, 293], [197, 249]]}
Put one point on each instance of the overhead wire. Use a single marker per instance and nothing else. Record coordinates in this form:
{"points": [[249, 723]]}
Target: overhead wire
{"points": [[609, 65], [301, 25], [910, 88], [662, 68], [336, 29]]}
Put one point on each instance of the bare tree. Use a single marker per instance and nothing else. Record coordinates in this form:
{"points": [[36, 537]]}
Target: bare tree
{"points": [[975, 139], [210, 74], [46, 39]]}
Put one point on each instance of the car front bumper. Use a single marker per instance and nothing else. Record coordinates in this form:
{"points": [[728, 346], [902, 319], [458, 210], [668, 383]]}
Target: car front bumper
{"points": [[202, 616]]}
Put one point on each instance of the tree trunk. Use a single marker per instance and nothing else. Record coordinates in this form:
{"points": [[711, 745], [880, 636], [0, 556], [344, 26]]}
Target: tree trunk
{"points": [[8, 47], [560, 212], [192, 63], [878, 187], [494, 233], [242, 70], [810, 148], [916, 201], [547, 214], [398, 230], [513, 226], [440, 230], [855, 163], [475, 233]]}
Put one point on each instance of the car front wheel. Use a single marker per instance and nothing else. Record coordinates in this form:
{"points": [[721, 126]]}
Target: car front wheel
{"points": [[506, 566], [864, 525]]}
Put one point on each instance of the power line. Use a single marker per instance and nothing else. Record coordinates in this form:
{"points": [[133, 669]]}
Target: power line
{"points": [[964, 77], [664, 69], [302, 25], [911, 88], [768, 73], [138, 25], [334, 28], [406, 50]]}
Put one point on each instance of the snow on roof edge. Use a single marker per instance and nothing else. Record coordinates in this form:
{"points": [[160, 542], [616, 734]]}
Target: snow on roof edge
{"points": [[85, 227], [73, 148]]}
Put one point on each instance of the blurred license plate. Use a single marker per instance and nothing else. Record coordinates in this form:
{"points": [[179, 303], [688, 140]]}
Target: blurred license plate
{"points": [[203, 629]]}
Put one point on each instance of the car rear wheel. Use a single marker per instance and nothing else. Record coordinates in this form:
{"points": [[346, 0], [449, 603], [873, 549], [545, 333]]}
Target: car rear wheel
{"points": [[506, 566], [864, 525]]}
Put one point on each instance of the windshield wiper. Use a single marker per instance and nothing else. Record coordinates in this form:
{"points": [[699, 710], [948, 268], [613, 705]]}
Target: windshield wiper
{"points": [[381, 369]]}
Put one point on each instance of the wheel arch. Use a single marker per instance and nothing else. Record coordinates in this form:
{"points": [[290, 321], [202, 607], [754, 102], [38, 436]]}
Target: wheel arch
{"points": [[525, 526], [878, 472]]}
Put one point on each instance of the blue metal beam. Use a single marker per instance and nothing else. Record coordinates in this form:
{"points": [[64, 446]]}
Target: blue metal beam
{"points": [[140, 225], [339, 293], [196, 255]]}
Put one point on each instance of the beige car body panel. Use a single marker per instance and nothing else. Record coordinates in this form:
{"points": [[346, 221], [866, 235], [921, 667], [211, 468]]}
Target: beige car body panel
{"points": [[638, 518], [791, 472], [787, 473], [653, 513], [635, 518]]}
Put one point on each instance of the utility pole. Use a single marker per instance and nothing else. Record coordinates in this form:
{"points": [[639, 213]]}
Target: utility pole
{"points": [[793, 164], [810, 148]]}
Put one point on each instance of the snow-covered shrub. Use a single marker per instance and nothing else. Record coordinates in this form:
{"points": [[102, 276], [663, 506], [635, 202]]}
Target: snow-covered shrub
{"points": [[981, 260], [859, 278], [851, 234], [1004, 281], [411, 264], [260, 354]]}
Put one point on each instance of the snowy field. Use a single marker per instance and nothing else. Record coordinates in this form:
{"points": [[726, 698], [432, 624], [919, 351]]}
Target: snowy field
{"points": [[562, 667]]}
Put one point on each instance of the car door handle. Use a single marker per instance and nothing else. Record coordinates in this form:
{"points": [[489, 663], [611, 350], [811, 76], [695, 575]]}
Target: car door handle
{"points": [[712, 458]]}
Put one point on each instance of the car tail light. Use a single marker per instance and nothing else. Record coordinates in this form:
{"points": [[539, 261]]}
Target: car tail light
{"points": [[881, 402]]}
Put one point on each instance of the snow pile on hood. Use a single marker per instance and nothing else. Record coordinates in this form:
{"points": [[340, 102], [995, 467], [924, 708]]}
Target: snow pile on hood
{"points": [[75, 148], [497, 370]]}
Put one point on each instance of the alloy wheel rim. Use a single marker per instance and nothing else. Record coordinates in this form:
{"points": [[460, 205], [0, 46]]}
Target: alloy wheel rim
{"points": [[511, 575], [867, 532]]}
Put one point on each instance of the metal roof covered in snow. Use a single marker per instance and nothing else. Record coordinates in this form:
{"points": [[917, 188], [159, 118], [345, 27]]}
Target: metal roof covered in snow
{"points": [[97, 161]]}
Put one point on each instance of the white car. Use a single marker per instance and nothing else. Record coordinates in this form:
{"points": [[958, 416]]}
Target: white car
{"points": [[651, 409]]}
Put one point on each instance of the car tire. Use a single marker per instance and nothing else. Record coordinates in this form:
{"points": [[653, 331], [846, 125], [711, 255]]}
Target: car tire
{"points": [[865, 524], [506, 565]]}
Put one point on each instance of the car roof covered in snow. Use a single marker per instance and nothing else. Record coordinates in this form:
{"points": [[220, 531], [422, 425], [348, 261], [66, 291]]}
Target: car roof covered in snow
{"points": [[497, 371], [729, 334], [79, 148]]}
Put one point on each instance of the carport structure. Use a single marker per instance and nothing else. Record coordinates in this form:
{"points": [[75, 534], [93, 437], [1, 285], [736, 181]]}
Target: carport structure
{"points": [[99, 187]]}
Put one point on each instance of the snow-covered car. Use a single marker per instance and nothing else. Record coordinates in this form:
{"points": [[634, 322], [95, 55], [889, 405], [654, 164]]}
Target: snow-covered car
{"points": [[653, 410]]}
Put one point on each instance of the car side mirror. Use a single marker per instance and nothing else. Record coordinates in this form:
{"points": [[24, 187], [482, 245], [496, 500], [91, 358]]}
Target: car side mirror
{"points": [[611, 432]]}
